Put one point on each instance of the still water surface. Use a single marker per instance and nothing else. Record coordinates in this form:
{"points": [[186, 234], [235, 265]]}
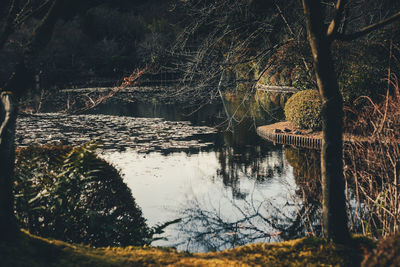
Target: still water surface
{"points": [[240, 190], [228, 188]]}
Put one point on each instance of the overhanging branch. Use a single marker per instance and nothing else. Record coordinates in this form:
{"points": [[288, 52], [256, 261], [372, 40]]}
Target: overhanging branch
{"points": [[27, 15], [9, 24], [368, 29]]}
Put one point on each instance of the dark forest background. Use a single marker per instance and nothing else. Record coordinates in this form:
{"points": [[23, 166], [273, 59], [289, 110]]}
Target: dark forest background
{"points": [[97, 43]]}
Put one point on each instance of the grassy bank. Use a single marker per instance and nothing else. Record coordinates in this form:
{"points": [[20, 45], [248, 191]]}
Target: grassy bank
{"points": [[30, 250]]}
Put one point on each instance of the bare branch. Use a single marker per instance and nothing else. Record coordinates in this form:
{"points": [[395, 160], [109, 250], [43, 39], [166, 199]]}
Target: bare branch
{"points": [[368, 29], [9, 24], [27, 14], [334, 25], [284, 19]]}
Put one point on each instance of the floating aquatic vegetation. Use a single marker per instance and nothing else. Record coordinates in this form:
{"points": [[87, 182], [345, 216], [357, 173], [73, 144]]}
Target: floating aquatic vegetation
{"points": [[114, 132]]}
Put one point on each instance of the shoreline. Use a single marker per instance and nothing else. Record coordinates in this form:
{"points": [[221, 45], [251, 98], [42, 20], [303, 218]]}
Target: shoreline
{"points": [[286, 134]]}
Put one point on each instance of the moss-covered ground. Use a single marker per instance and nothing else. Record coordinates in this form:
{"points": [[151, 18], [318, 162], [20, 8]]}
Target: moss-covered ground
{"points": [[30, 250]]}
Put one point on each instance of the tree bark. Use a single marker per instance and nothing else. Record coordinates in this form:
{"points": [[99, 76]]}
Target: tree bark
{"points": [[15, 86], [334, 216], [7, 157]]}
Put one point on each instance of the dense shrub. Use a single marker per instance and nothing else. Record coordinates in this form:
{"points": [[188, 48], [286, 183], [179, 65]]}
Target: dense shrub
{"points": [[290, 65], [361, 68], [361, 71], [72, 195], [303, 109]]}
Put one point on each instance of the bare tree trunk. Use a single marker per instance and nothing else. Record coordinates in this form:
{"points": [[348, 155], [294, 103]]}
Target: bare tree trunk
{"points": [[15, 86], [7, 156], [334, 216], [334, 206]]}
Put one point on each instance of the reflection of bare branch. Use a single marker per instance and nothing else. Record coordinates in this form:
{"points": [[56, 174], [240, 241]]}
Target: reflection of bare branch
{"points": [[255, 221]]}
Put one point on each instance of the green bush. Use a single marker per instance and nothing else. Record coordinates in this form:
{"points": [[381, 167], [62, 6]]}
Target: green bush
{"points": [[303, 109], [73, 195]]}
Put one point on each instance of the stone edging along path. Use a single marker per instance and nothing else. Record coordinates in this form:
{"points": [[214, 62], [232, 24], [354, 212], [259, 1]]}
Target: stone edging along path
{"points": [[286, 134]]}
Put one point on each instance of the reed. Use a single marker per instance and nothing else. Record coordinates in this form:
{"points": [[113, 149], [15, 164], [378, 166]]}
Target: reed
{"points": [[372, 165]]}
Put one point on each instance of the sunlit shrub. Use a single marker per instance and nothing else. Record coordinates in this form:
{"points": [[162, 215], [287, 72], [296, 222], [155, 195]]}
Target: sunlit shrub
{"points": [[303, 109]]}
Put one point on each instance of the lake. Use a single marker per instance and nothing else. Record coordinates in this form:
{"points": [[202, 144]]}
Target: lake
{"points": [[227, 186]]}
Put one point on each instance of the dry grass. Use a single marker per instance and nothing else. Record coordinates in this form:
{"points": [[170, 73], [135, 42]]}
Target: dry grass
{"points": [[372, 168]]}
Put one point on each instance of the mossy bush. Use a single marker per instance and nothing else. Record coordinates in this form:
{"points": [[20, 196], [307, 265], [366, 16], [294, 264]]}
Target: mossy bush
{"points": [[303, 110]]}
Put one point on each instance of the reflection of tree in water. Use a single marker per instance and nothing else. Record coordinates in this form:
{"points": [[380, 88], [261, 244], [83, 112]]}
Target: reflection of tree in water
{"points": [[243, 154], [215, 224], [249, 221], [307, 174]]}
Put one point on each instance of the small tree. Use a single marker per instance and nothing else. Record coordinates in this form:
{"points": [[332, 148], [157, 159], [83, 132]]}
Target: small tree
{"points": [[320, 37]]}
